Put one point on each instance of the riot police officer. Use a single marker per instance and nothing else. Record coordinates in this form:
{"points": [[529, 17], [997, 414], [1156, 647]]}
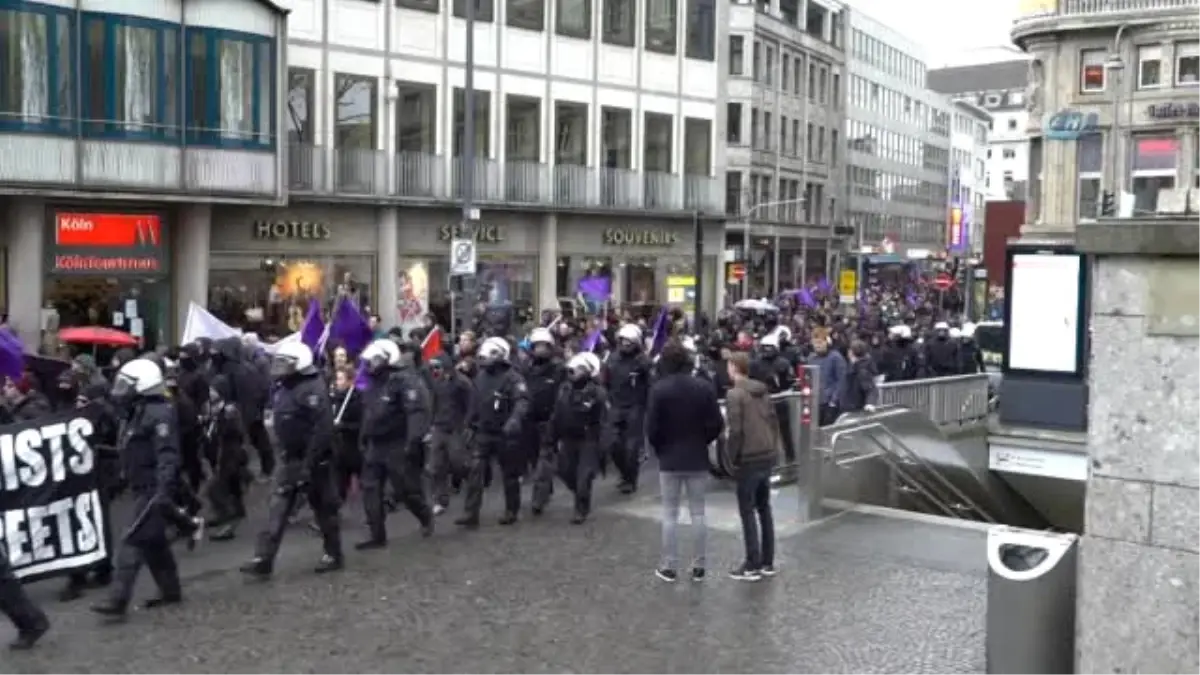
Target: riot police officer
{"points": [[941, 354], [223, 440], [544, 376], [150, 458], [900, 361], [499, 404], [627, 376], [395, 421], [575, 429], [304, 429]]}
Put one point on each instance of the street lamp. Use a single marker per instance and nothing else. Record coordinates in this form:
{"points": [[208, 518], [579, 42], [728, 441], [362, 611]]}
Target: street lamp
{"points": [[1114, 65], [746, 236]]}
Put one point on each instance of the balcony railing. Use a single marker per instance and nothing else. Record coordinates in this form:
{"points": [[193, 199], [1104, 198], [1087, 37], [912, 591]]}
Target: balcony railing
{"points": [[1083, 9], [373, 173]]}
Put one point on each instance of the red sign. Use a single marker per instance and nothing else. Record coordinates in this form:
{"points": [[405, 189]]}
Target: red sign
{"points": [[943, 281], [737, 271], [108, 230]]}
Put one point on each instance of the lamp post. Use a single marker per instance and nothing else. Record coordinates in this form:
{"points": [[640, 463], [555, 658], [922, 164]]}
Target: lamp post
{"points": [[746, 235], [1115, 65]]}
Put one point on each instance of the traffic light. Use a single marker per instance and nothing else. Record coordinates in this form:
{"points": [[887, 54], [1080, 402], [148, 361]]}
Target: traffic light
{"points": [[1108, 203]]}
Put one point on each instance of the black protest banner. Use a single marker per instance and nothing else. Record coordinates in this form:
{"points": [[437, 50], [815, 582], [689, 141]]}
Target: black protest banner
{"points": [[49, 501]]}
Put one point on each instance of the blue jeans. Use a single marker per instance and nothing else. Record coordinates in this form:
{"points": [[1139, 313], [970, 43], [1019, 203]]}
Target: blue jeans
{"points": [[673, 484], [754, 507]]}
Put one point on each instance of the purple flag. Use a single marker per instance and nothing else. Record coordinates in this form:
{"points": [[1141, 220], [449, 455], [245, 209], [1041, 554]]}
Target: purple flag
{"points": [[912, 299], [12, 355], [823, 285], [312, 331], [361, 381], [595, 289], [350, 327], [662, 328], [592, 341], [806, 297]]}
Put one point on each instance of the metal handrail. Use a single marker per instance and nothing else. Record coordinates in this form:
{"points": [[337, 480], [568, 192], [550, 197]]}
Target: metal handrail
{"points": [[912, 458], [915, 485], [953, 401]]}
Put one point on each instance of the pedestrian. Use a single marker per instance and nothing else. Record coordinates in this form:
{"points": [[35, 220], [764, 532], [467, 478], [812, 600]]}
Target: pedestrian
{"points": [[859, 388], [753, 444], [683, 417]]}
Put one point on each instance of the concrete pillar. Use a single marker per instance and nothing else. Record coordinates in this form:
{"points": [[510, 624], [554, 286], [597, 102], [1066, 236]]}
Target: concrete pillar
{"points": [[190, 241], [387, 266], [26, 268], [547, 274], [1140, 550]]}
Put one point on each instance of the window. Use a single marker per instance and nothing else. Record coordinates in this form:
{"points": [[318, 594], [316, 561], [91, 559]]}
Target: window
{"points": [[301, 113], [1009, 153], [571, 133], [423, 5], [528, 14], [483, 9], [783, 129], [231, 82], [615, 133], [785, 77], [659, 131], [483, 117], [131, 75], [1187, 63], [809, 137], [812, 81], [1012, 124], [795, 138], [701, 30], [617, 22], [737, 55], [756, 66], [1150, 65], [733, 192], [697, 143], [836, 91], [354, 111], [755, 135], [1154, 167], [416, 117], [797, 75], [823, 85], [36, 62], [767, 139], [523, 129], [573, 18], [733, 123], [833, 147], [1090, 163], [821, 144], [1092, 70], [660, 26], [769, 65]]}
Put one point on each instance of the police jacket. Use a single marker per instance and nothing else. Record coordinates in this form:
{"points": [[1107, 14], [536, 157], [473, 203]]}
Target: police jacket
{"points": [[150, 447], [544, 379], [500, 397], [303, 418], [941, 357], [899, 362], [396, 408], [775, 371], [579, 412], [627, 377]]}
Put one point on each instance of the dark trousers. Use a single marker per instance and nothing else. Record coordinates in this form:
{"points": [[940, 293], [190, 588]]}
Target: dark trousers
{"points": [[754, 507], [444, 461], [544, 470], [626, 438], [15, 602], [226, 496], [577, 464], [257, 432], [484, 450], [191, 464], [405, 473], [104, 568], [348, 461], [828, 414], [321, 494], [783, 414], [146, 543]]}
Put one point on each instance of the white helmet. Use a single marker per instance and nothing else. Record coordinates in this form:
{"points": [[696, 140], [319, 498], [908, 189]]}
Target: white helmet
{"points": [[580, 366], [783, 333], [955, 333], [250, 339], [630, 332], [941, 325], [291, 358], [541, 336], [382, 353], [689, 343], [140, 377], [593, 362], [769, 340], [904, 332], [493, 350], [968, 330]]}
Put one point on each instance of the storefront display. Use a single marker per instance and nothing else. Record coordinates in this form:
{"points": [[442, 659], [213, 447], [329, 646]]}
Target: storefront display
{"points": [[108, 269]]}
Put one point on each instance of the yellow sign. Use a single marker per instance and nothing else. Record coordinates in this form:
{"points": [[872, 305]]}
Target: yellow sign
{"points": [[847, 283], [681, 290]]}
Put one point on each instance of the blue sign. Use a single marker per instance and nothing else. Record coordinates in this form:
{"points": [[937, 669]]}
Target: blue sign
{"points": [[1070, 125]]}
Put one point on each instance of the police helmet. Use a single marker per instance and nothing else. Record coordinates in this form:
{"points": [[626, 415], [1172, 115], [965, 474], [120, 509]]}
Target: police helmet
{"points": [[580, 367], [941, 326], [955, 333], [493, 350], [380, 354], [769, 341], [968, 331], [630, 332], [592, 360], [783, 333], [541, 336], [291, 358], [139, 377], [689, 343]]}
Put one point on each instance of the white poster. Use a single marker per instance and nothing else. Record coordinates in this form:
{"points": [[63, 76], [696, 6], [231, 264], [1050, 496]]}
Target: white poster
{"points": [[1044, 319], [412, 291]]}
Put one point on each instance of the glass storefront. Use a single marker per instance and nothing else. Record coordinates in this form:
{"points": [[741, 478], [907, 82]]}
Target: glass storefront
{"points": [[269, 294], [424, 286], [638, 283]]}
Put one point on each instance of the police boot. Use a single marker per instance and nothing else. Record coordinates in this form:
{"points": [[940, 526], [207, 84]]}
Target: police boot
{"points": [[113, 609], [26, 639], [372, 544], [162, 601], [579, 518], [73, 590], [224, 533], [328, 563], [508, 518], [469, 522], [258, 567]]}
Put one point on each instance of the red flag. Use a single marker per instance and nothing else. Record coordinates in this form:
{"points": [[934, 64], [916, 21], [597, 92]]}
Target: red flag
{"points": [[431, 346]]}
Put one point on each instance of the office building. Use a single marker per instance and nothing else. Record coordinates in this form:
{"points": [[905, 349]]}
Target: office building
{"points": [[898, 136], [784, 134], [968, 179], [999, 89], [277, 156]]}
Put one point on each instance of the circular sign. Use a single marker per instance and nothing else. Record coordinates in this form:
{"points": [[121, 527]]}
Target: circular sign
{"points": [[463, 252], [943, 281]]}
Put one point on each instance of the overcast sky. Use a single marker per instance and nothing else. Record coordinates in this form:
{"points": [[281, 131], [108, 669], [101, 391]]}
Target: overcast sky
{"points": [[953, 32]]}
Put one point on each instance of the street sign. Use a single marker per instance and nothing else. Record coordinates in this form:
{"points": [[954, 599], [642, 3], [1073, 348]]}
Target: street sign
{"points": [[462, 257], [847, 286], [735, 271], [943, 281]]}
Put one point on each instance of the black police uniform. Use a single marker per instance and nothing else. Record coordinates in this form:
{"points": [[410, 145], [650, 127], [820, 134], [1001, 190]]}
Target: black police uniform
{"points": [[394, 424], [575, 428], [628, 378], [193, 385], [304, 429], [452, 393], [224, 441], [544, 377], [942, 358], [150, 457], [499, 404]]}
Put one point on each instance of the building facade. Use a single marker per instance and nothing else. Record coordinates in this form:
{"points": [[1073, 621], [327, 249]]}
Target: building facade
{"points": [[596, 151], [998, 88], [968, 179], [898, 137], [784, 136]]}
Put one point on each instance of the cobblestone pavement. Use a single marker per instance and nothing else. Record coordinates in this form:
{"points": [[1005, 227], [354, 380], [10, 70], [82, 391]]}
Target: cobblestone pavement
{"points": [[854, 594]]}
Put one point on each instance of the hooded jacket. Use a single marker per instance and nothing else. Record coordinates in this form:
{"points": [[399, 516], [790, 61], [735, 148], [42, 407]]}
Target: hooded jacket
{"points": [[754, 439]]}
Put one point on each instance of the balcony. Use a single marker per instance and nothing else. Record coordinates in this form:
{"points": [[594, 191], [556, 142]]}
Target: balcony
{"points": [[1059, 15], [65, 163], [373, 174]]}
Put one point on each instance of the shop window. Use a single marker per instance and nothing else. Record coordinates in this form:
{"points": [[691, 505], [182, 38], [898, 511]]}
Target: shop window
{"points": [[1154, 166], [585, 282], [231, 89], [423, 287], [270, 294], [134, 304], [37, 55]]}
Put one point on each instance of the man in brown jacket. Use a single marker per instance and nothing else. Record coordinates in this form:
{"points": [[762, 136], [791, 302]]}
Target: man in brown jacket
{"points": [[753, 445]]}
